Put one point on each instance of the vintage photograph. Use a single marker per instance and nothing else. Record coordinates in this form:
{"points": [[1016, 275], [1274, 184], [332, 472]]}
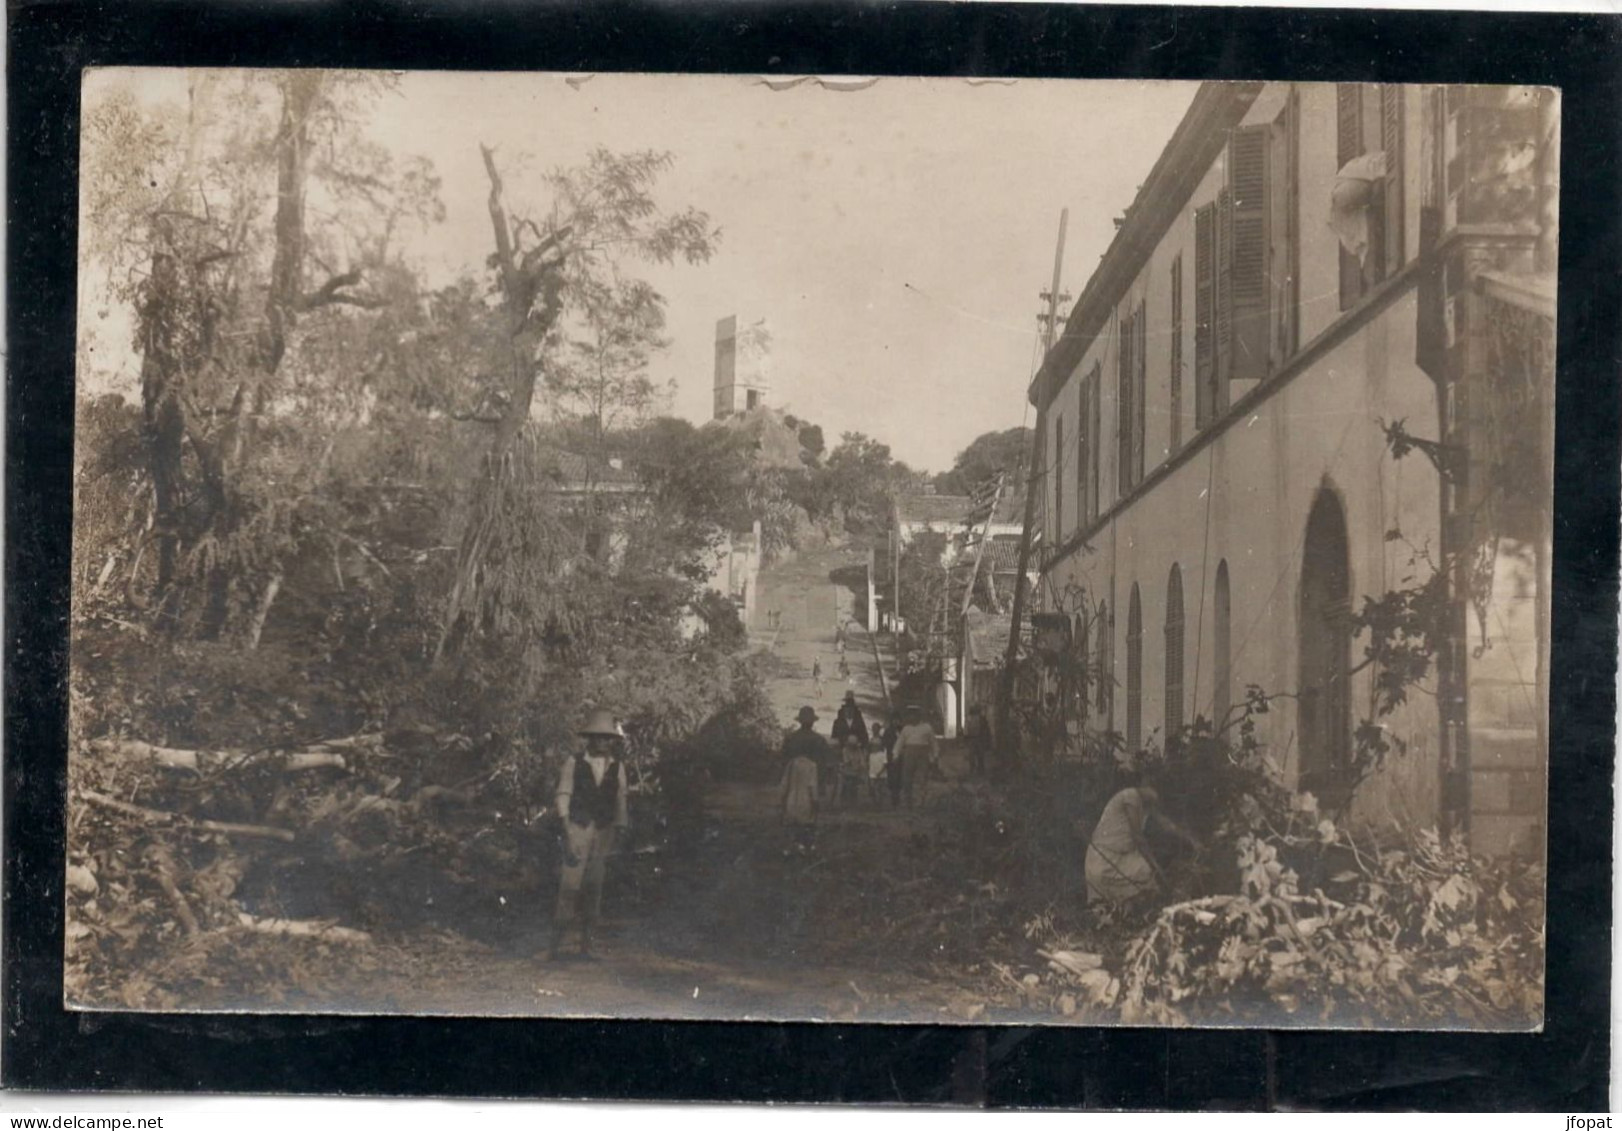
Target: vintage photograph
{"points": [[878, 549]]}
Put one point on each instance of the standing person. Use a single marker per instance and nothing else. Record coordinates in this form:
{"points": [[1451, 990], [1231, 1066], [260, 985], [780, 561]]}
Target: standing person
{"points": [[920, 750], [802, 751], [892, 763], [591, 801], [850, 741], [977, 729], [850, 719], [1121, 867], [816, 677], [808, 742]]}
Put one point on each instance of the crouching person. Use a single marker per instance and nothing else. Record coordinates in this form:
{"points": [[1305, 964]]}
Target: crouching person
{"points": [[1122, 868], [592, 805]]}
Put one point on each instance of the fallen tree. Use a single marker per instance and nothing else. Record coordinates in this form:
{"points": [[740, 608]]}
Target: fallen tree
{"points": [[319, 756], [160, 818]]}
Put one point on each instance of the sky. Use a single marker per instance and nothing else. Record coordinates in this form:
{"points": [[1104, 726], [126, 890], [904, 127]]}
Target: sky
{"points": [[894, 238]]}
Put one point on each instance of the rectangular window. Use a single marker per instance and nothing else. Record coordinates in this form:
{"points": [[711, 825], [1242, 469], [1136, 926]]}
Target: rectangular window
{"points": [[1391, 140], [1349, 144], [1124, 415], [1369, 119], [1140, 358], [1284, 210], [1248, 278], [1084, 513], [1176, 368], [1224, 301], [1095, 440], [1204, 315]]}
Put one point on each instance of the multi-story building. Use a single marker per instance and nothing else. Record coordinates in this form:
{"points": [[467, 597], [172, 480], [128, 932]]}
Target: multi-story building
{"points": [[1313, 368]]}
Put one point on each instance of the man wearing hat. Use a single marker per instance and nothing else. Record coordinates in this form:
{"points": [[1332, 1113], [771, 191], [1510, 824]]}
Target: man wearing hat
{"points": [[807, 743], [591, 802], [798, 790]]}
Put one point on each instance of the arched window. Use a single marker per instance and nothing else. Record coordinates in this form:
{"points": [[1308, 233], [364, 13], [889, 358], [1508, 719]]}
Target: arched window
{"points": [[1174, 656], [1083, 657], [1134, 672], [1101, 648], [1222, 700], [1324, 708]]}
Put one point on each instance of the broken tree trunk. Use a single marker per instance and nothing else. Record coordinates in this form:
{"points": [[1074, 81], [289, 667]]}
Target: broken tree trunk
{"points": [[176, 820], [303, 928], [532, 296], [176, 759]]}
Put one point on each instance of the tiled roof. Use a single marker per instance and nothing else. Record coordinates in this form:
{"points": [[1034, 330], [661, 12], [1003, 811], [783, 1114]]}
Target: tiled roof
{"points": [[936, 510], [1003, 555], [942, 511]]}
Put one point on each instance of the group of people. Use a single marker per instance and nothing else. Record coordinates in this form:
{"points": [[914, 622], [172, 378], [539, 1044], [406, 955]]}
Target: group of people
{"points": [[1122, 864], [853, 761]]}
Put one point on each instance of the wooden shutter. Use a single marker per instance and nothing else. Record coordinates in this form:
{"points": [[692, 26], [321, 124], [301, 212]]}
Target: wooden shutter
{"points": [[1349, 144], [1391, 140], [1224, 302], [1140, 397], [1083, 456], [1287, 181], [1123, 417], [1204, 314], [1176, 366], [1248, 149], [1095, 439], [1058, 480]]}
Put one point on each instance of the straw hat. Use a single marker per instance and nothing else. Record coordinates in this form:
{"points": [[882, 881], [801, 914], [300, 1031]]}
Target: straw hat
{"points": [[601, 722]]}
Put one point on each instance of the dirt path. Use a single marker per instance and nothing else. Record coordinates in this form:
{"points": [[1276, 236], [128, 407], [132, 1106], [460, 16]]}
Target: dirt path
{"points": [[744, 927]]}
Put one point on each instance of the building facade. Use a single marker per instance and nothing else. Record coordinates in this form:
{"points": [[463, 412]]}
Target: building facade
{"points": [[1286, 392]]}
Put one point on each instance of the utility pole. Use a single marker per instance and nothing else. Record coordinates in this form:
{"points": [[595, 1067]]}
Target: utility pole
{"points": [[1007, 742]]}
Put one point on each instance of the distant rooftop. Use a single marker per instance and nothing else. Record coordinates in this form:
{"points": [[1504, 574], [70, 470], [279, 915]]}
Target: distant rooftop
{"points": [[943, 511]]}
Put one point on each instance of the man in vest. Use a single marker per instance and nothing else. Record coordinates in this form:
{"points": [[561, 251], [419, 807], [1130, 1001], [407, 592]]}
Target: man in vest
{"points": [[591, 803]]}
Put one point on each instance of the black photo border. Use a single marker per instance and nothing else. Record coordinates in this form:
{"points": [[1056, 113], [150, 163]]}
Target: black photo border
{"points": [[1564, 1067]]}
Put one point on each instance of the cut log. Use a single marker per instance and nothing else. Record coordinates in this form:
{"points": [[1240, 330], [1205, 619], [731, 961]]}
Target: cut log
{"points": [[177, 759], [303, 928], [159, 817]]}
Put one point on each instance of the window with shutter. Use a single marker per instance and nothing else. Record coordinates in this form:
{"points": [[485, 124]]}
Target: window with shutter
{"points": [[1083, 455], [1224, 302], [1284, 212], [1248, 150], [1124, 413], [1204, 314], [1095, 439], [1059, 528], [1349, 144], [1391, 140], [1175, 375], [1140, 398]]}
